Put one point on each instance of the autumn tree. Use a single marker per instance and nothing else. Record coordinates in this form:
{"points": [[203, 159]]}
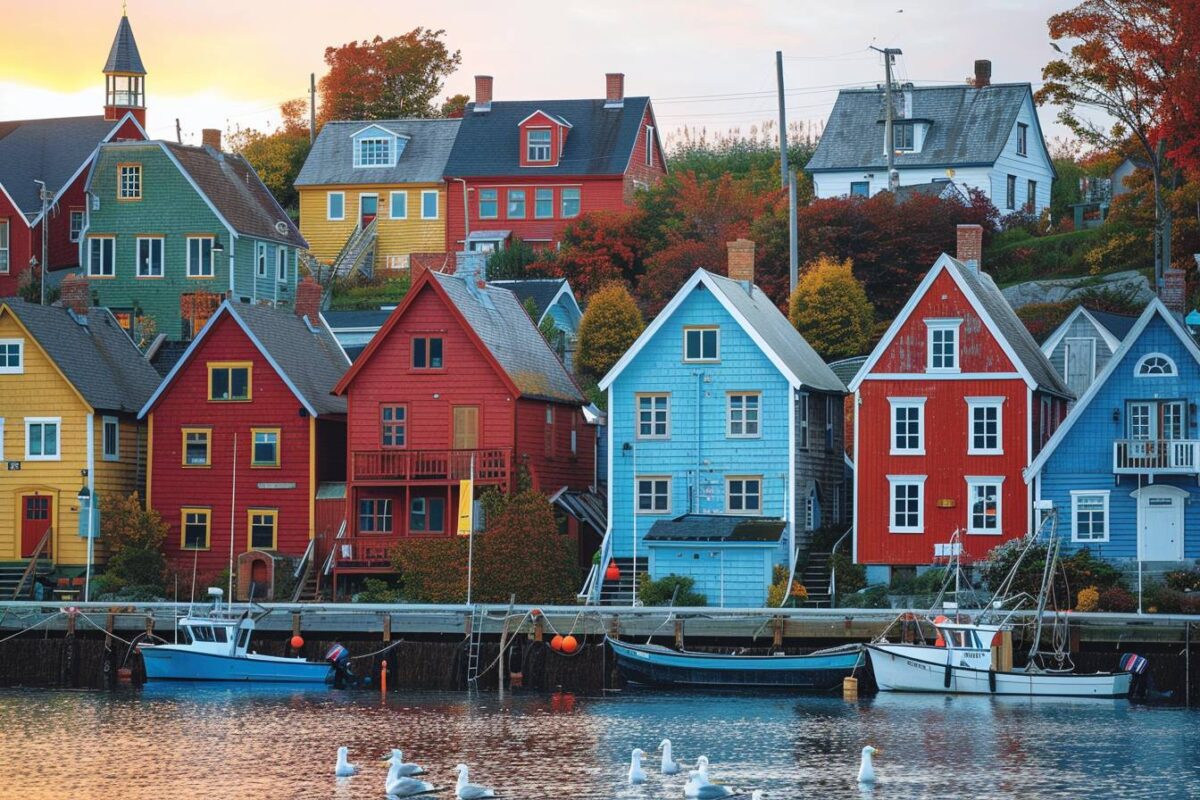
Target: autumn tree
{"points": [[455, 105], [831, 310], [278, 156], [387, 78], [610, 325], [133, 535], [597, 248], [522, 552]]}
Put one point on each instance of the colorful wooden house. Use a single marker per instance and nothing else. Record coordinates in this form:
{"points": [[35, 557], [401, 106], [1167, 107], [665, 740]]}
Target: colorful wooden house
{"points": [[377, 184], [553, 307], [244, 431], [54, 155], [458, 380], [526, 168], [172, 229], [1121, 472], [725, 444], [951, 407], [71, 382], [1082, 345]]}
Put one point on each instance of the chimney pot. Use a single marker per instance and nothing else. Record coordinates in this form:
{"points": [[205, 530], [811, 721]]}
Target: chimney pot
{"points": [[983, 73], [970, 246], [211, 137], [308, 299], [741, 260], [76, 295], [471, 266], [614, 89], [483, 93]]}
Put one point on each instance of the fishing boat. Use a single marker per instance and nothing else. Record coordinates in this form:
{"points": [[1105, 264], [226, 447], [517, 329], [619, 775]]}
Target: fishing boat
{"points": [[216, 647], [654, 665]]}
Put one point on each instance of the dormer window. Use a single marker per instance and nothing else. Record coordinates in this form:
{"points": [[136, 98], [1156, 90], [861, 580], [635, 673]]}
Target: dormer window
{"points": [[903, 136], [537, 144], [374, 151]]}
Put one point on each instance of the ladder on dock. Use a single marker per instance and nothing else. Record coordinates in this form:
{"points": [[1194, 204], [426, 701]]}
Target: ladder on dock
{"points": [[475, 642]]}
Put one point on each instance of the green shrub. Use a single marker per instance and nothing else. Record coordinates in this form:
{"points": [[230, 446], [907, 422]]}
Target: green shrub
{"points": [[1075, 571], [1184, 580], [851, 577], [353, 294], [378, 590], [659, 592], [870, 597]]}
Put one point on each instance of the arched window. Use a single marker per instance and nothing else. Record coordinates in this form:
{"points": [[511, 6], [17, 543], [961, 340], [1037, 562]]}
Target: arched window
{"points": [[1155, 365]]}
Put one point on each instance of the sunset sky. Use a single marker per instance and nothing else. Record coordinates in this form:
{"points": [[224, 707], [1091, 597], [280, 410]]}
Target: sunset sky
{"points": [[216, 63]]}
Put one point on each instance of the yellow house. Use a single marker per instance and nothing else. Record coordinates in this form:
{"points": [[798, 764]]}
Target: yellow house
{"points": [[71, 384], [386, 171]]}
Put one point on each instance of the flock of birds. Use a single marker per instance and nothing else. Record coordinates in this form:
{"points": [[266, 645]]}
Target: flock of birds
{"points": [[403, 777]]}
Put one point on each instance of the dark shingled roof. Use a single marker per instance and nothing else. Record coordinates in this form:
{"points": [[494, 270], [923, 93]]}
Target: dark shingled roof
{"points": [[1116, 324], [123, 56], [331, 160], [600, 142], [847, 368], [541, 290], [969, 126], [98, 358], [497, 317], [50, 150], [341, 320], [716, 528]]}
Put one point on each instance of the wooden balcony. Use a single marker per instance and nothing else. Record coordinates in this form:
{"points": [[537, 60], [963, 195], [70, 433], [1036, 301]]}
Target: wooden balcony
{"points": [[366, 553], [1156, 457], [431, 467]]}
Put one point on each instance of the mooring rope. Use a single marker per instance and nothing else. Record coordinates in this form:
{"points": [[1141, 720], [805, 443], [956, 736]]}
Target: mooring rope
{"points": [[380, 650], [31, 627]]}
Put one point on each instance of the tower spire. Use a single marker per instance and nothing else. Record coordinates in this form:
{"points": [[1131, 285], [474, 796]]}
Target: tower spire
{"points": [[124, 75]]}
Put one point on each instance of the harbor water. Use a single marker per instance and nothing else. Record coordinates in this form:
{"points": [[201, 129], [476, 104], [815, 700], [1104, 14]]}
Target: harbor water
{"points": [[185, 741]]}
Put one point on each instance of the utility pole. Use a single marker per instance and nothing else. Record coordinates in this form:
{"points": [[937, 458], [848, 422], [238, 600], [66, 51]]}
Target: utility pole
{"points": [[783, 154], [45, 196], [889, 55], [312, 106], [793, 244], [178, 132]]}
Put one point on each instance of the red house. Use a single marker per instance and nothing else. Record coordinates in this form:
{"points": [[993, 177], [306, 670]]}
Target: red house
{"points": [[57, 153], [526, 168], [952, 405], [245, 435], [457, 376]]}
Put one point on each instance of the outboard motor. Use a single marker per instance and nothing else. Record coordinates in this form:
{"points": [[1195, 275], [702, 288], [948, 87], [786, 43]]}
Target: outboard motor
{"points": [[1141, 687], [343, 673]]}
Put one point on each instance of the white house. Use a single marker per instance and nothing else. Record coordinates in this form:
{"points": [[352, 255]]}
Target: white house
{"points": [[984, 136]]}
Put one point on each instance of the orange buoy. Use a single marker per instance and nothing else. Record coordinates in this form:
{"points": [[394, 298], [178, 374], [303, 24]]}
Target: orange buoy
{"points": [[569, 645], [535, 613], [557, 642], [297, 642], [613, 573]]}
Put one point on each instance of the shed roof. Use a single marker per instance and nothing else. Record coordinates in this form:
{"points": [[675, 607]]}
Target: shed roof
{"points": [[716, 528], [331, 160]]}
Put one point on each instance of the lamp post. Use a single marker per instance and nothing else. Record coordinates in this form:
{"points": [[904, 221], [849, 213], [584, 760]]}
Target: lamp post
{"points": [[85, 506]]}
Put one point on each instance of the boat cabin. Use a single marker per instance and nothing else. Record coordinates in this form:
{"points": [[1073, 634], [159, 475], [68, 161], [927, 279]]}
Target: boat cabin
{"points": [[217, 636]]}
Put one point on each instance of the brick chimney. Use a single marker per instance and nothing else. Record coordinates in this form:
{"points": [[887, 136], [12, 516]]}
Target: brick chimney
{"points": [[970, 246], [211, 137], [1174, 291], [614, 90], [483, 93], [983, 73], [741, 260], [76, 295], [308, 299]]}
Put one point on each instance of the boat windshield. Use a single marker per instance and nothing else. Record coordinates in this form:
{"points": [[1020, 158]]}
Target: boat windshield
{"points": [[187, 634], [962, 639], [243, 638], [208, 633]]}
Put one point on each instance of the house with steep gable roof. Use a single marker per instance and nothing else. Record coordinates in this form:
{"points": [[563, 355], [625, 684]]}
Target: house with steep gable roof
{"points": [[1083, 343]]}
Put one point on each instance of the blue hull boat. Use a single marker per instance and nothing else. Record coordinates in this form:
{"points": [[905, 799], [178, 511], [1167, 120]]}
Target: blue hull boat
{"points": [[181, 663], [654, 665]]}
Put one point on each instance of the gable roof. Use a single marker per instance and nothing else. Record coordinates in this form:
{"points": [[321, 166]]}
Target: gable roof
{"points": [[1155, 308], [542, 291], [968, 127], [997, 315], [99, 358], [760, 319], [1110, 327], [308, 360], [123, 56], [331, 160], [1119, 325], [601, 141]]}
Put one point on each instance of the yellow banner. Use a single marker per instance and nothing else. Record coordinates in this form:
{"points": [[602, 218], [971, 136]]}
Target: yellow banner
{"points": [[466, 508]]}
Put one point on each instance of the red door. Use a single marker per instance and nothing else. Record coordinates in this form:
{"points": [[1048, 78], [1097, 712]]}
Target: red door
{"points": [[35, 521]]}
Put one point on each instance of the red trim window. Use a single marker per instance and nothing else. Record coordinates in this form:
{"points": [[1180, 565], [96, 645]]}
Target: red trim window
{"points": [[393, 426], [375, 515]]}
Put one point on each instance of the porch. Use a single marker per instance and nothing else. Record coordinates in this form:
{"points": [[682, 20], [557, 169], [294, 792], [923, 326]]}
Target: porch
{"points": [[492, 467], [1156, 457]]}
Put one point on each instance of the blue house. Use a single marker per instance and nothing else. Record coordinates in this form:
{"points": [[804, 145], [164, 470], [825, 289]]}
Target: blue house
{"points": [[725, 444], [1123, 470]]}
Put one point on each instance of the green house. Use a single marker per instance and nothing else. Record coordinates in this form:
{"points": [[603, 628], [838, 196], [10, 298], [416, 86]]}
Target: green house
{"points": [[171, 230]]}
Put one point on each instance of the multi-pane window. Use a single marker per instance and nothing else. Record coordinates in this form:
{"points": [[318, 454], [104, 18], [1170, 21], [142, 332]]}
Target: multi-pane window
{"points": [[129, 181], [427, 352], [393, 426], [570, 202], [429, 204], [516, 204], [1155, 365], [653, 494], [943, 345], [197, 447], [802, 420], [810, 510], [983, 505], [1089, 516], [908, 425], [906, 503], [902, 136], [537, 145], [375, 515], [335, 205], [427, 515], [701, 344], [744, 415], [260, 259], [1022, 139], [41, 439], [149, 258], [743, 495], [195, 526], [543, 203], [76, 226], [263, 525], [1171, 426], [373, 152], [398, 205], [4, 258], [266, 447], [654, 416], [102, 256], [199, 256], [11, 351], [489, 203], [649, 146], [228, 382], [1142, 421], [110, 435], [986, 425], [1010, 192]]}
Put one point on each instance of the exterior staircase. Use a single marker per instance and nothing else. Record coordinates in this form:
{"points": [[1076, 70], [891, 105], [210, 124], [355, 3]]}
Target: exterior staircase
{"points": [[815, 579], [358, 254], [620, 592], [12, 572]]}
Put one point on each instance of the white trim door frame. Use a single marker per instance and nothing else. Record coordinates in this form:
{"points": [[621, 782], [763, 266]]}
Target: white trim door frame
{"points": [[1160, 522]]}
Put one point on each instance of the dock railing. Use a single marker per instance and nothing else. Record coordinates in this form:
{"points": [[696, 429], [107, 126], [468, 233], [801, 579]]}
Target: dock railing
{"points": [[833, 567]]}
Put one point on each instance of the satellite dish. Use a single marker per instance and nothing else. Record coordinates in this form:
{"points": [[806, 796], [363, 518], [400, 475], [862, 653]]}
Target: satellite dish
{"points": [[281, 228]]}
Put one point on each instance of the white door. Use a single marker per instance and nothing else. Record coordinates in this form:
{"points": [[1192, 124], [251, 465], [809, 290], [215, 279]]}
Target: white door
{"points": [[1079, 364], [1160, 524]]}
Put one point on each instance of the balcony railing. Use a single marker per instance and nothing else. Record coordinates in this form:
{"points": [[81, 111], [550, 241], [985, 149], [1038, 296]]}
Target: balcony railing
{"points": [[432, 466], [1161, 456], [370, 551]]}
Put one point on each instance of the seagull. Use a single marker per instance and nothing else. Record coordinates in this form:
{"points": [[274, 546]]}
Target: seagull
{"points": [[398, 785], [636, 773], [699, 787], [469, 791], [866, 771], [344, 768], [669, 765], [396, 759]]}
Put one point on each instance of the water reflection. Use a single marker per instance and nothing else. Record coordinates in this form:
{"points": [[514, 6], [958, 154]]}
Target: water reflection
{"points": [[189, 740]]}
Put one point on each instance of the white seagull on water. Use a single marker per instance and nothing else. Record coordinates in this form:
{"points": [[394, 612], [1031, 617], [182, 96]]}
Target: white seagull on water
{"points": [[465, 790], [344, 768]]}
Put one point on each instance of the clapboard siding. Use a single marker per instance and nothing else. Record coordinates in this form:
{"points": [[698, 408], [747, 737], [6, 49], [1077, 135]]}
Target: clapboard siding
{"points": [[546, 446], [730, 576], [394, 237]]}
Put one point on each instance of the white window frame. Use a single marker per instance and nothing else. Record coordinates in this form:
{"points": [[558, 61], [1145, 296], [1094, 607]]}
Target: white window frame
{"points": [[426, 193], [906, 480], [129, 181], [260, 259], [1076, 496], [733, 415], [906, 403], [57, 423], [94, 241], [954, 325], [562, 201], [897, 142], [649, 145], [73, 232], [403, 205], [655, 480], [1022, 139], [5, 245], [162, 256], [329, 206], [729, 495], [538, 194], [19, 369], [1137, 368], [700, 359], [1, 438], [802, 415], [494, 194], [105, 422], [975, 404], [638, 411], [388, 141], [508, 203], [212, 257], [281, 264], [531, 147], [974, 481], [810, 510]]}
